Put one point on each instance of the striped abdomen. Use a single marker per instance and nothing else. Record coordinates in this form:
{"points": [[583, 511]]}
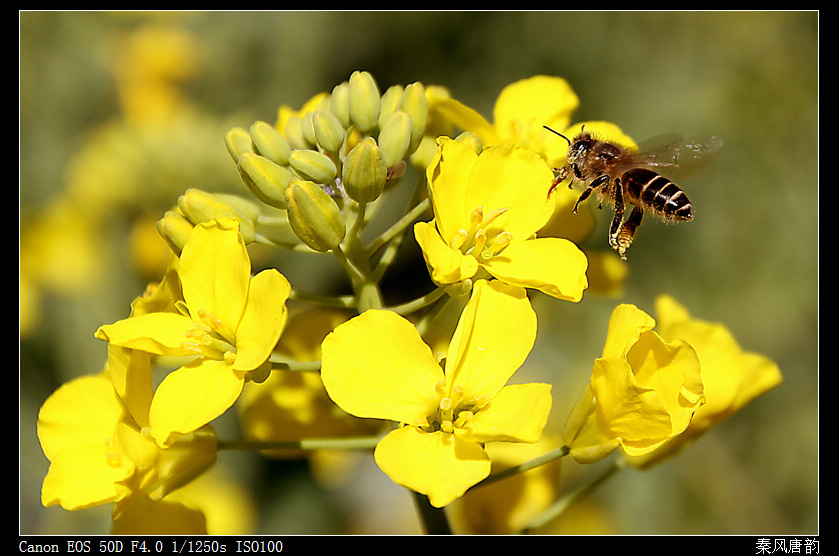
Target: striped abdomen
{"points": [[652, 191]]}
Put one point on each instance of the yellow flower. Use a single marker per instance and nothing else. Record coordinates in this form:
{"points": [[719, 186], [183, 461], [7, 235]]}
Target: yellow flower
{"points": [[99, 453], [377, 366], [643, 391], [229, 322], [731, 376], [520, 111], [487, 209]]}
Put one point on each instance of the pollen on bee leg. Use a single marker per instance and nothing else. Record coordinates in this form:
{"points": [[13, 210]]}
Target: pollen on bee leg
{"points": [[622, 241]]}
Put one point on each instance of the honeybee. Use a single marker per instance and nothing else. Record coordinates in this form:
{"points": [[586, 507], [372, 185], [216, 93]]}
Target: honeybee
{"points": [[622, 177]]}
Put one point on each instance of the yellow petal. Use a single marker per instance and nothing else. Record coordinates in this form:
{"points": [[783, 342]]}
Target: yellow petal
{"points": [[553, 266], [215, 271], [192, 396], [83, 411], [263, 319], [523, 107], [518, 413], [75, 427], [130, 371], [494, 336], [377, 366], [515, 179], [625, 326], [439, 465], [81, 477], [467, 119], [626, 410], [672, 370], [447, 265], [731, 377], [158, 517], [158, 333], [448, 177]]}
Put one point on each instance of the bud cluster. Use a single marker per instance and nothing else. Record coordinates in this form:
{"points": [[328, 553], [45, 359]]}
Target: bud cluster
{"points": [[339, 153], [196, 206]]}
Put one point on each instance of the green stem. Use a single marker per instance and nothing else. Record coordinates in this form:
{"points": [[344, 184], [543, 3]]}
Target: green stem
{"points": [[398, 227], [358, 443], [526, 466], [420, 302], [435, 521], [356, 275], [342, 302], [298, 366], [562, 504]]}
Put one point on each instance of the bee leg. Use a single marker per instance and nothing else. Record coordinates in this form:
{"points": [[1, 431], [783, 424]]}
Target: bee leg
{"points": [[582, 198], [627, 231], [559, 176], [617, 219], [598, 182]]}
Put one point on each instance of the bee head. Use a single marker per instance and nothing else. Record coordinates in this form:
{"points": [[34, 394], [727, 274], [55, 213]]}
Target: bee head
{"points": [[579, 147]]}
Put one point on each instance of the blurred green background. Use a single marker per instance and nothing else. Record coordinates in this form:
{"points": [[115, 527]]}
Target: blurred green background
{"points": [[749, 259]]}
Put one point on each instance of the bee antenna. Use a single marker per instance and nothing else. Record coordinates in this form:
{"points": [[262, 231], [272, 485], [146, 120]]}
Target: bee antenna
{"points": [[558, 133]]}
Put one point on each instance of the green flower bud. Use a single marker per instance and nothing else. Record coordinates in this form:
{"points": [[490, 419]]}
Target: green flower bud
{"points": [[339, 103], [364, 172], [365, 101], [244, 208], [416, 105], [199, 206], [175, 229], [294, 133], [328, 131], [265, 179], [395, 138], [470, 140], [308, 129], [238, 141], [391, 102], [269, 143], [314, 216], [313, 165]]}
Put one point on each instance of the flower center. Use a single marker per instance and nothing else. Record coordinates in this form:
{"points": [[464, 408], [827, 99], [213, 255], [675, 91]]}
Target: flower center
{"points": [[453, 410], [210, 338], [476, 241]]}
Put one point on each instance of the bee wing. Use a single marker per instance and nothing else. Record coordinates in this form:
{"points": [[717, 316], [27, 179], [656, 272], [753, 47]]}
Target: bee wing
{"points": [[672, 151]]}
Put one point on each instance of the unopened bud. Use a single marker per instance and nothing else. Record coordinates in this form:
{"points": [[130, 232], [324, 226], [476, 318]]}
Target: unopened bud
{"points": [[391, 102], [265, 179], [175, 229], [364, 172], [365, 101], [395, 138], [313, 165], [314, 216], [270, 143], [199, 206], [238, 141], [294, 133], [416, 105], [308, 129], [328, 131], [339, 103]]}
